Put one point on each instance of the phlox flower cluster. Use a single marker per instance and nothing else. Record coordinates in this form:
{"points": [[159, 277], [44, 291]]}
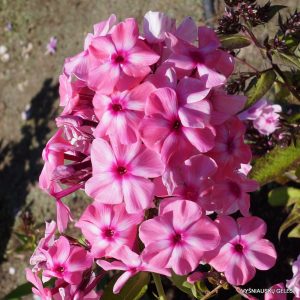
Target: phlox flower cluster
{"points": [[149, 133], [264, 116]]}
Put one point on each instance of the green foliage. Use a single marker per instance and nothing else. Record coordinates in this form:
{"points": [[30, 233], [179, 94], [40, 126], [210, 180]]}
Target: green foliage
{"points": [[197, 290], [275, 163], [134, 289], [20, 291], [284, 196], [288, 59], [258, 87], [234, 41], [292, 219]]}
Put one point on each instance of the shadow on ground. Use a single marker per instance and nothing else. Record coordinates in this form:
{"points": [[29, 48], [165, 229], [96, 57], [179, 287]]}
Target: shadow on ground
{"points": [[20, 163]]}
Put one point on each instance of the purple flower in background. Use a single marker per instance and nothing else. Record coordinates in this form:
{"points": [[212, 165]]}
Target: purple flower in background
{"points": [[52, 45], [265, 116], [9, 26]]}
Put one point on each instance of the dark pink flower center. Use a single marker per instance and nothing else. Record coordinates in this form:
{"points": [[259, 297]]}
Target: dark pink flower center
{"points": [[59, 269], [109, 232], [118, 58], [239, 248], [177, 238], [121, 170], [197, 56], [176, 125], [117, 107], [234, 189]]}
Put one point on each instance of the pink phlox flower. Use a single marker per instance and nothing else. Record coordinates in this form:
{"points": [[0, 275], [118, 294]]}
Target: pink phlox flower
{"points": [[120, 113], [108, 227], [294, 283], [191, 179], [265, 116], [121, 172], [230, 194], [38, 258], [178, 237], [51, 46], [119, 59], [157, 24], [78, 64], [225, 106], [131, 263], [212, 64], [66, 261], [38, 289], [174, 122], [74, 95], [83, 291], [242, 249], [230, 149], [276, 292]]}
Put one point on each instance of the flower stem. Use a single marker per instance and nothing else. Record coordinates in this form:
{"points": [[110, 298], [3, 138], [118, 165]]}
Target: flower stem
{"points": [[159, 287], [212, 292]]}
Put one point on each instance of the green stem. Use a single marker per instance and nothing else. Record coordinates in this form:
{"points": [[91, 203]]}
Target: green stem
{"points": [[159, 287]]}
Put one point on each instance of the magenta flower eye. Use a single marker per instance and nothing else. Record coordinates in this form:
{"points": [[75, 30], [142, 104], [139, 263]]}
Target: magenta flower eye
{"points": [[239, 248]]}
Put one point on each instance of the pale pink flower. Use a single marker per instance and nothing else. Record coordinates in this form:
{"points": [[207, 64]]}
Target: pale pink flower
{"points": [[108, 227], [66, 261], [230, 149], [173, 124], [157, 24], [119, 59], [120, 113], [242, 249], [38, 289], [78, 64], [294, 283], [131, 263], [121, 172], [38, 258], [212, 64], [265, 116], [178, 237]]}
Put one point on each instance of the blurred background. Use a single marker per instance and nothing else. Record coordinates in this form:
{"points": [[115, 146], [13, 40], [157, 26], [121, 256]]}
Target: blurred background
{"points": [[35, 38]]}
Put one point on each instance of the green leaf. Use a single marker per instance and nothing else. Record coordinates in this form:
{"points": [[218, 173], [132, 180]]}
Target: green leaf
{"points": [[275, 163], [20, 291], [234, 41], [288, 58], [181, 283], [295, 232], [258, 87], [292, 219], [284, 196], [134, 289]]}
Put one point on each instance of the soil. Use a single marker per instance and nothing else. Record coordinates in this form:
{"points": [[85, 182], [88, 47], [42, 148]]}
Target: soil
{"points": [[29, 86]]}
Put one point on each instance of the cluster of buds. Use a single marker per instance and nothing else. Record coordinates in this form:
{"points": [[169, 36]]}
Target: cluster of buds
{"points": [[150, 134], [290, 29], [238, 12]]}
